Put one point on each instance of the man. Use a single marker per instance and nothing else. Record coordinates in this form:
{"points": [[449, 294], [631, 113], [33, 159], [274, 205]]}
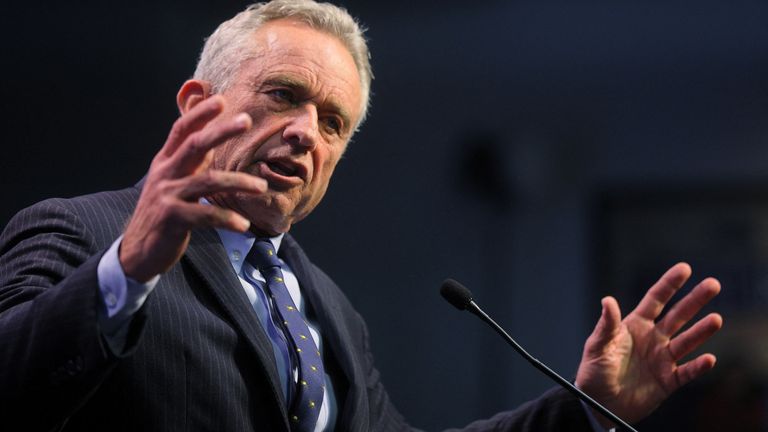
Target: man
{"points": [[165, 307]]}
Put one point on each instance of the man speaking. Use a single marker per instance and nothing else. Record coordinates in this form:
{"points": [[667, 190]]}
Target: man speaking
{"points": [[183, 304]]}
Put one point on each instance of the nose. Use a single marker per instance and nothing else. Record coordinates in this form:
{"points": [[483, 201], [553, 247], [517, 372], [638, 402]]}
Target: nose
{"points": [[302, 131]]}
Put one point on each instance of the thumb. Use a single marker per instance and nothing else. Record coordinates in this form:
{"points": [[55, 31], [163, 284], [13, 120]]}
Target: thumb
{"points": [[606, 329]]}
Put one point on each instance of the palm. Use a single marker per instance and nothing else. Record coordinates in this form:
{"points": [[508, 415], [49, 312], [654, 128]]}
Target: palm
{"points": [[631, 365]]}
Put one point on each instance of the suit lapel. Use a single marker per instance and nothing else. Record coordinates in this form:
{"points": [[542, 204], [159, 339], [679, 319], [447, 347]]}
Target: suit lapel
{"points": [[208, 257], [353, 415]]}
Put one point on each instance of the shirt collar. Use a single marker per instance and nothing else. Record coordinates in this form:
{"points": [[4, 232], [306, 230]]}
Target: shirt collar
{"points": [[237, 245]]}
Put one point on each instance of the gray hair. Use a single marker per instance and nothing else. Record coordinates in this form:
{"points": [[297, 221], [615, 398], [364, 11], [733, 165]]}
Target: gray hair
{"points": [[230, 44]]}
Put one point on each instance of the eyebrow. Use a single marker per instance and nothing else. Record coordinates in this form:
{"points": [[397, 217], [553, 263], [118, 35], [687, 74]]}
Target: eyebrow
{"points": [[301, 85]]}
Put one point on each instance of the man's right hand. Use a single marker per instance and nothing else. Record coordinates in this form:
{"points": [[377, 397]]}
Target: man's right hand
{"points": [[169, 208]]}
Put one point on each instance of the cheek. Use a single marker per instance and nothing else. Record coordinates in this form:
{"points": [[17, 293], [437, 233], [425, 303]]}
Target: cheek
{"points": [[326, 164], [263, 118], [237, 153], [225, 155]]}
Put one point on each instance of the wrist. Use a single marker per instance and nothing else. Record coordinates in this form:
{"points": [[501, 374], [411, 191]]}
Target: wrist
{"points": [[131, 266]]}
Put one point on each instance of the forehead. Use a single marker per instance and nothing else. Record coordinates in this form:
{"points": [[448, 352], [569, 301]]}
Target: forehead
{"points": [[292, 50]]}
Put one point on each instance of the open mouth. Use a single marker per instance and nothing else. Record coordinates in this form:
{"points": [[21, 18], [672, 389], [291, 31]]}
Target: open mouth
{"points": [[283, 169]]}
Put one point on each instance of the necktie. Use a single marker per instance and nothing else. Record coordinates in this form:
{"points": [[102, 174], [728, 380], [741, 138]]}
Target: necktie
{"points": [[305, 406]]}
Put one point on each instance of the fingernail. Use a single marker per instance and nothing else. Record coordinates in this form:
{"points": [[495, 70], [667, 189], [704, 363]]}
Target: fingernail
{"points": [[243, 120], [217, 102]]}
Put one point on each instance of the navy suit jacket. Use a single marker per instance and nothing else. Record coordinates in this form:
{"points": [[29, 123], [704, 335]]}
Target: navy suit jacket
{"points": [[197, 358]]}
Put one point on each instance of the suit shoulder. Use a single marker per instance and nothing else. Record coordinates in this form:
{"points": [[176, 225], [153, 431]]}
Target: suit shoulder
{"points": [[103, 214], [95, 205], [99, 204]]}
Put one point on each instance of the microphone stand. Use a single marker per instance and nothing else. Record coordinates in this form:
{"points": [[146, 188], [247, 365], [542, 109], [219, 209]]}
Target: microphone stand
{"points": [[475, 309]]}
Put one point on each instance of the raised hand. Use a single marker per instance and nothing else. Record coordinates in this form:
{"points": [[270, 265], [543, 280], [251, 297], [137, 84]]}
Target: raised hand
{"points": [[168, 208], [631, 365]]}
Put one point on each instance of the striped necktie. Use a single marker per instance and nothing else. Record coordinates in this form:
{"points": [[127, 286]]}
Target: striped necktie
{"points": [[305, 406]]}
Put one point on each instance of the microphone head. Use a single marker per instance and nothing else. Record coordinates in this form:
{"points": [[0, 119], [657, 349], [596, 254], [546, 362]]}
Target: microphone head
{"points": [[456, 294]]}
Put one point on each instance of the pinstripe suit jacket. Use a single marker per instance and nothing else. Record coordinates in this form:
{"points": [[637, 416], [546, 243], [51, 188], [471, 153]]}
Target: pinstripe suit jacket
{"points": [[196, 359]]}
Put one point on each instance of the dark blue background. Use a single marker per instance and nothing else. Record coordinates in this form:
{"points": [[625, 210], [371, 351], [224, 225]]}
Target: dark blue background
{"points": [[511, 145]]}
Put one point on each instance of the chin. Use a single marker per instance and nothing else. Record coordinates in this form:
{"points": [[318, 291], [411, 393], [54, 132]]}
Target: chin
{"points": [[272, 212], [268, 224], [271, 220]]}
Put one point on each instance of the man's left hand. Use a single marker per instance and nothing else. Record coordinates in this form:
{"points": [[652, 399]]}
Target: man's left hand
{"points": [[631, 365]]}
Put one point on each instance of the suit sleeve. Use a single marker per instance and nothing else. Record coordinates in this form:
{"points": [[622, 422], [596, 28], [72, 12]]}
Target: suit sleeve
{"points": [[52, 353], [555, 410]]}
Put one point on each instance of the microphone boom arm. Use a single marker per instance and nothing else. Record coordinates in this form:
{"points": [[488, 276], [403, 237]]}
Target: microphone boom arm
{"points": [[475, 309]]}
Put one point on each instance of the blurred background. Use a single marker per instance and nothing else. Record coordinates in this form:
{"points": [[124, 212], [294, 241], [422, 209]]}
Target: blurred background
{"points": [[544, 153]]}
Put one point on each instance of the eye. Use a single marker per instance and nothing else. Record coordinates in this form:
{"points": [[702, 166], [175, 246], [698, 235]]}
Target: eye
{"points": [[282, 95], [332, 125]]}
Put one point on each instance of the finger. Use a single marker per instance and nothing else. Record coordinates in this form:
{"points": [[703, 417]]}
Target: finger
{"points": [[690, 339], [215, 181], [196, 147], [191, 122], [656, 298], [688, 306], [195, 215], [695, 368], [606, 328]]}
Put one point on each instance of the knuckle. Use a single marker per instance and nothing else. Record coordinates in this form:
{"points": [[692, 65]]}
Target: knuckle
{"points": [[208, 178], [164, 187], [228, 180], [194, 143], [177, 129], [168, 207], [164, 205], [214, 216], [157, 160]]}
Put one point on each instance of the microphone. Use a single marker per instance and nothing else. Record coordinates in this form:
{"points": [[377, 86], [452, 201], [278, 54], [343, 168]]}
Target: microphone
{"points": [[461, 297]]}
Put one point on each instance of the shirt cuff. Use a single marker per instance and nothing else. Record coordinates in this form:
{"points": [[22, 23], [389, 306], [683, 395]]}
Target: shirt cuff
{"points": [[122, 296]]}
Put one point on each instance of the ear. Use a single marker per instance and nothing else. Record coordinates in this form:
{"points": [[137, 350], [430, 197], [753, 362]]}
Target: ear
{"points": [[192, 93]]}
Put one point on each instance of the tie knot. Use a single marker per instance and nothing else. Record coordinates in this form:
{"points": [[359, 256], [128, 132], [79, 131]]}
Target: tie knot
{"points": [[263, 255]]}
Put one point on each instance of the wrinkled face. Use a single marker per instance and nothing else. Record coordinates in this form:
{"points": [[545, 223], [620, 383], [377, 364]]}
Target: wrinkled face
{"points": [[302, 91]]}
